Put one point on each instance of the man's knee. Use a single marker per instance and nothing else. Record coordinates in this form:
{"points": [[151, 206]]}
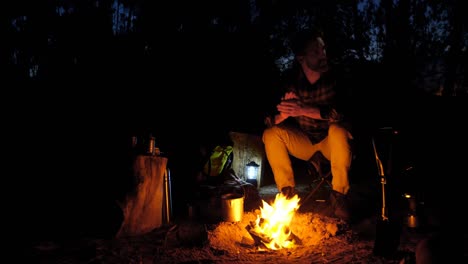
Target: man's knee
{"points": [[338, 131], [269, 133], [336, 128]]}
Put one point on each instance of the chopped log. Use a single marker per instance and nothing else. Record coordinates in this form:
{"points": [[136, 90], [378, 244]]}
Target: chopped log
{"points": [[260, 238], [143, 206], [247, 242], [257, 237], [247, 148]]}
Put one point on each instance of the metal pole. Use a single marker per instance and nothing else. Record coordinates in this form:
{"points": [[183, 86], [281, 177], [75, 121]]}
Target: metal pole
{"points": [[382, 180], [167, 197]]}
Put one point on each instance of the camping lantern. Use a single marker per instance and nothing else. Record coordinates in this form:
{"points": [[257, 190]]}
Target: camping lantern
{"points": [[251, 171]]}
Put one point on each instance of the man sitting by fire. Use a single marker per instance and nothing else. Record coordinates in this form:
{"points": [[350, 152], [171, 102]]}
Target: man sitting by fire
{"points": [[308, 119]]}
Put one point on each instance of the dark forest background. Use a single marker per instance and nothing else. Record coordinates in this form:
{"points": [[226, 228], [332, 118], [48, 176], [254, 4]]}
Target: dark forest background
{"points": [[82, 77]]}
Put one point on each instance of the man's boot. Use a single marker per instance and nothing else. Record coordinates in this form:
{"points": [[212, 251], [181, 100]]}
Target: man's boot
{"points": [[340, 205], [288, 192]]}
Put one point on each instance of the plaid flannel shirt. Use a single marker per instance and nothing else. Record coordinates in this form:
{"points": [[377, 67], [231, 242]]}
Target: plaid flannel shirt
{"points": [[323, 95]]}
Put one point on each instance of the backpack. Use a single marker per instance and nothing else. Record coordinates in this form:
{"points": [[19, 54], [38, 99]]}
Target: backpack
{"points": [[219, 161]]}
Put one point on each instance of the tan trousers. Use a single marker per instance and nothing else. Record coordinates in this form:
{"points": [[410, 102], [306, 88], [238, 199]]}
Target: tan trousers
{"points": [[281, 141]]}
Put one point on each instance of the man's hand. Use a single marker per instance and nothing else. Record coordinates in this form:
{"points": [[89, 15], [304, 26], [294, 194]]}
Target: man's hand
{"points": [[290, 107], [289, 95]]}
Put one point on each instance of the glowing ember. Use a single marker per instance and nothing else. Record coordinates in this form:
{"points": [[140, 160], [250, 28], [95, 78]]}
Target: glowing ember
{"points": [[274, 220]]}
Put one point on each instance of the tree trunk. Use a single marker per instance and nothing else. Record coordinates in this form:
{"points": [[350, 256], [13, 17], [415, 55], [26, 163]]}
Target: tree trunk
{"points": [[143, 207]]}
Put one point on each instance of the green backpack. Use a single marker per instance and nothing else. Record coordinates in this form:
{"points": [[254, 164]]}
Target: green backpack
{"points": [[219, 161]]}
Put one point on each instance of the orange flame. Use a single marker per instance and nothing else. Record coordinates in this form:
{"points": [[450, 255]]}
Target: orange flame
{"points": [[274, 221]]}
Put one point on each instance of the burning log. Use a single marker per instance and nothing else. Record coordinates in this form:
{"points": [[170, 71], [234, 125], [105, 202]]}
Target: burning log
{"points": [[271, 228], [261, 240], [258, 237], [248, 242]]}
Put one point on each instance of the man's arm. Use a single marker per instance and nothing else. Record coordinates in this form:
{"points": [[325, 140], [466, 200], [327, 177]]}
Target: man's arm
{"points": [[294, 107]]}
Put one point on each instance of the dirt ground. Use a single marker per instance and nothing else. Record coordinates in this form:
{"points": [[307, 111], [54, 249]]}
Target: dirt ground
{"points": [[322, 240], [319, 238]]}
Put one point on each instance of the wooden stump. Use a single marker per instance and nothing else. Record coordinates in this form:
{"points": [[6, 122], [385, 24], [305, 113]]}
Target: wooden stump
{"points": [[247, 148], [143, 207]]}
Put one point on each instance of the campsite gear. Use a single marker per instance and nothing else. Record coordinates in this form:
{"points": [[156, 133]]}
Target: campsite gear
{"points": [[167, 196], [232, 206], [387, 237], [233, 194], [322, 181], [151, 145], [318, 167], [219, 161]]}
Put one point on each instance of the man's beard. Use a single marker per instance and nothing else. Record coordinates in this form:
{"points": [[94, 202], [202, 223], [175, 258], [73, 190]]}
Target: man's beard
{"points": [[320, 66]]}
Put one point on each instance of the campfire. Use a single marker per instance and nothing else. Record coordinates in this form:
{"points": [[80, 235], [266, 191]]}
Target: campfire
{"points": [[272, 226], [276, 229]]}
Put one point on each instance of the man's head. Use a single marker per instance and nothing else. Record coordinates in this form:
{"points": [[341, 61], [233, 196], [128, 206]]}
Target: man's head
{"points": [[309, 49]]}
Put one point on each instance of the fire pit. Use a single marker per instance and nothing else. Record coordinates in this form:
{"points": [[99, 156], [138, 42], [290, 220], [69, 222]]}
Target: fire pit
{"points": [[272, 226], [276, 229]]}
